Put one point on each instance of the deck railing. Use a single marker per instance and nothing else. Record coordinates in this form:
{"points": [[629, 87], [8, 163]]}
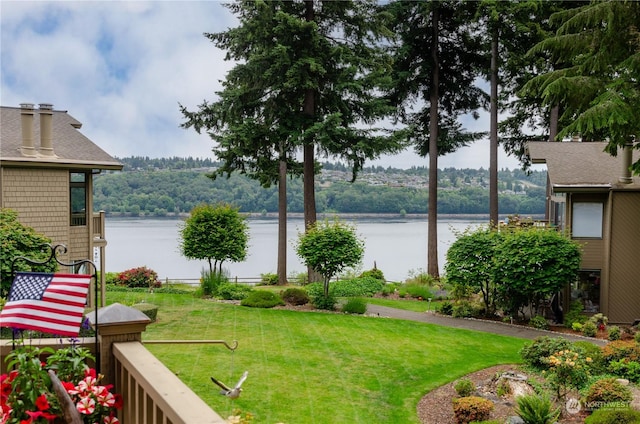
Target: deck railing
{"points": [[152, 394]]}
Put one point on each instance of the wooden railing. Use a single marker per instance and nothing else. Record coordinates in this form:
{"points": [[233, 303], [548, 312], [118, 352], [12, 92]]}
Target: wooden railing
{"points": [[152, 393], [98, 225]]}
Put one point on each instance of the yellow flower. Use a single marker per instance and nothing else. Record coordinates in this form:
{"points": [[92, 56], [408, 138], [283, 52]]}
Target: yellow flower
{"points": [[589, 359]]}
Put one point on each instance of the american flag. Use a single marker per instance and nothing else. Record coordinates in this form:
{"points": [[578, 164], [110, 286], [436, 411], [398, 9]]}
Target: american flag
{"points": [[50, 303]]}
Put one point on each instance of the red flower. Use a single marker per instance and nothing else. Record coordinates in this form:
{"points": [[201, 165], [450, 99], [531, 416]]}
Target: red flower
{"points": [[42, 403], [119, 401]]}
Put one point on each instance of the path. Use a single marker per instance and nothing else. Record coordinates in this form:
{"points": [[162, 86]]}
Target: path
{"points": [[475, 324]]}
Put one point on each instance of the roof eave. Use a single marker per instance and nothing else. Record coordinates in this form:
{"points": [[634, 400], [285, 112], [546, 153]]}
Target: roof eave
{"points": [[591, 188], [61, 163]]}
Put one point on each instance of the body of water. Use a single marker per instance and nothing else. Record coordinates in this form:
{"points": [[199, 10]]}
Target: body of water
{"points": [[397, 247]]}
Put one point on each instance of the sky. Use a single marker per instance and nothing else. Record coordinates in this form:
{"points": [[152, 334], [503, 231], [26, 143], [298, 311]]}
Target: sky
{"points": [[123, 67]]}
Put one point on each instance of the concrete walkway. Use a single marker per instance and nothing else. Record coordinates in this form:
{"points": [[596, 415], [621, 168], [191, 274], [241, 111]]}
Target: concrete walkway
{"points": [[475, 324]]}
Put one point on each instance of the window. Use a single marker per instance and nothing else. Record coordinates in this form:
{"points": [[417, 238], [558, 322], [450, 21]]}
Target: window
{"points": [[586, 289], [586, 219], [78, 198]]}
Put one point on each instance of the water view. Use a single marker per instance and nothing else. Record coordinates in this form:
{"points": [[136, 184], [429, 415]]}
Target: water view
{"points": [[397, 247]]}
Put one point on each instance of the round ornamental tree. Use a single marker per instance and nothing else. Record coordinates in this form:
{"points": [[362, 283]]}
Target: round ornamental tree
{"points": [[532, 264], [16, 240], [470, 263], [215, 233], [328, 248]]}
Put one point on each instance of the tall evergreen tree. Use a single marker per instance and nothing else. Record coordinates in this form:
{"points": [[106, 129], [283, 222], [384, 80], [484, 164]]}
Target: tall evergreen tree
{"points": [[599, 44], [434, 79], [306, 80]]}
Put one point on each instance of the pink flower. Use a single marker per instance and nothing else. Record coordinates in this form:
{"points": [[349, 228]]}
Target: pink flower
{"points": [[86, 405], [111, 419]]}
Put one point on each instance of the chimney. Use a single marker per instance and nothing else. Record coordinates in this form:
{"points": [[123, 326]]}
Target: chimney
{"points": [[627, 160], [46, 117], [26, 117]]}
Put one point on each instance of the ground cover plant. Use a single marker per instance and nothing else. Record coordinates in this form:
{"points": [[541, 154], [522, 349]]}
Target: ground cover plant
{"points": [[314, 367]]}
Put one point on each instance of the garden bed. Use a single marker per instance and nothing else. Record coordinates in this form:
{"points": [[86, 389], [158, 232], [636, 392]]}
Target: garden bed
{"points": [[436, 406]]}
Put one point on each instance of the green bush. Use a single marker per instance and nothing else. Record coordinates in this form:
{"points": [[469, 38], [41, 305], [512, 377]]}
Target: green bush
{"points": [[539, 322], [613, 416], [621, 349], [421, 278], [471, 408], [604, 391], [139, 277], [626, 369], [389, 289], [574, 314], [535, 409], [148, 309], [111, 278], [466, 309], [373, 273], [295, 296], [269, 279], [324, 302], [418, 291], [593, 352], [211, 281], [231, 291], [576, 326], [614, 333], [262, 299], [636, 337], [446, 308], [355, 305], [589, 329], [464, 387], [356, 287], [534, 354]]}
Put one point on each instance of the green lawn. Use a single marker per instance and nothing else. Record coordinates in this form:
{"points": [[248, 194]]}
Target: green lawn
{"points": [[309, 367], [408, 304]]}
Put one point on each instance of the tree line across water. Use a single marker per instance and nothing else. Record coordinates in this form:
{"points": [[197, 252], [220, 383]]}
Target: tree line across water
{"points": [[172, 186]]}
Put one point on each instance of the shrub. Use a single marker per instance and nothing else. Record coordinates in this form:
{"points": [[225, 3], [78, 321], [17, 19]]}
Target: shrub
{"points": [[210, 282], [139, 277], [422, 278], [604, 391], [356, 287], [111, 278], [576, 326], [148, 309], [373, 273], [539, 322], [327, 302], [355, 305], [567, 369], [418, 291], [471, 408], [262, 299], [535, 409], [613, 416], [593, 356], [626, 369], [503, 388], [574, 314], [230, 291], [389, 289], [269, 279], [535, 353], [294, 296], [464, 387], [636, 337], [614, 333], [589, 329], [446, 308], [621, 349], [466, 309]]}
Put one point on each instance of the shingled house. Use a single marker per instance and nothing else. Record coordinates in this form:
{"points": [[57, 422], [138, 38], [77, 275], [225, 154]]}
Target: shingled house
{"points": [[46, 175], [593, 196]]}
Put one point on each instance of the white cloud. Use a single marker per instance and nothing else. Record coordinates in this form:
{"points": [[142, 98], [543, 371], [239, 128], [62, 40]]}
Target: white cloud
{"points": [[122, 67]]}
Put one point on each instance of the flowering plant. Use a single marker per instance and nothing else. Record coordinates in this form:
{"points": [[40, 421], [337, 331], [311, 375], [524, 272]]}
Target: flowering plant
{"points": [[567, 369], [27, 395]]}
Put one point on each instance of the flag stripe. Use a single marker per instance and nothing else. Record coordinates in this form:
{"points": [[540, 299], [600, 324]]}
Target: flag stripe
{"points": [[51, 303]]}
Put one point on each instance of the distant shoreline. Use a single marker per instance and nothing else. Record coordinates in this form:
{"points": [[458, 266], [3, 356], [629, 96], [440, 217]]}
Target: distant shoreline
{"points": [[321, 216]]}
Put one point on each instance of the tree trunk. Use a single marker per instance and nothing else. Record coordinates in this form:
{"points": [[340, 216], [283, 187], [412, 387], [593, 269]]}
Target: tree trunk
{"points": [[432, 236], [493, 136], [309, 109], [282, 220]]}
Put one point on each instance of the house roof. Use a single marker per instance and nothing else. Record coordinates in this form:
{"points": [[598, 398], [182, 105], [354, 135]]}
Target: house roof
{"points": [[71, 148], [573, 166]]}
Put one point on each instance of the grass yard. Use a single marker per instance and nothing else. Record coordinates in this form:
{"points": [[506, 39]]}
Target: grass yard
{"points": [[309, 367], [408, 304]]}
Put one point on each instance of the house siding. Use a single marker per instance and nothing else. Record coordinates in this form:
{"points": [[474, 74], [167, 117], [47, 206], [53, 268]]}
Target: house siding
{"points": [[41, 198], [624, 296]]}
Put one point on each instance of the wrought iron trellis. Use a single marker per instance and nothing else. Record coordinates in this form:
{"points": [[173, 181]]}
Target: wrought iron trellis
{"points": [[61, 249]]}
